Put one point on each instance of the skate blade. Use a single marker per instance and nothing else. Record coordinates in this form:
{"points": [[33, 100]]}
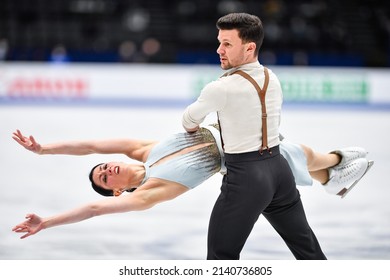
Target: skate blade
{"points": [[345, 191]]}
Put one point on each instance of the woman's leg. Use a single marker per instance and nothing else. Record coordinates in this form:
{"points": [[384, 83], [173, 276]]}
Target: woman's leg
{"points": [[319, 162], [321, 176], [353, 167]]}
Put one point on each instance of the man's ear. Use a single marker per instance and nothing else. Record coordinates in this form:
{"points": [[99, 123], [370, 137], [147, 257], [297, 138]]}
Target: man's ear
{"points": [[251, 47]]}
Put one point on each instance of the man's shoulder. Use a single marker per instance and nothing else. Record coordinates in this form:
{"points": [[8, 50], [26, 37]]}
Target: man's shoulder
{"points": [[220, 83]]}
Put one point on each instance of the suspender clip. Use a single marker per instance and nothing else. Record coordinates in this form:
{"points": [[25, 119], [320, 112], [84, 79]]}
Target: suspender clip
{"points": [[262, 149]]}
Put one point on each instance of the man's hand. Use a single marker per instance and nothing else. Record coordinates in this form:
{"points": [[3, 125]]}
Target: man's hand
{"points": [[192, 130]]}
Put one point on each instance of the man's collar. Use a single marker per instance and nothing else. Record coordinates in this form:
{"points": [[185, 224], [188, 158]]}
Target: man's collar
{"points": [[244, 67]]}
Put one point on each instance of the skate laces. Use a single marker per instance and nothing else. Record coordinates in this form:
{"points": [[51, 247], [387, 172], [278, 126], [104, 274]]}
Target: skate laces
{"points": [[346, 172], [350, 154]]}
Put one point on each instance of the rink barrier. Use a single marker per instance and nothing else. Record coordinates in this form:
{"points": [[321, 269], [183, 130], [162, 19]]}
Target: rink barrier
{"points": [[175, 86]]}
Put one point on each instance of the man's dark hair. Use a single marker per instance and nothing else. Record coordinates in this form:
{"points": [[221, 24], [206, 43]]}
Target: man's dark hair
{"points": [[250, 27]]}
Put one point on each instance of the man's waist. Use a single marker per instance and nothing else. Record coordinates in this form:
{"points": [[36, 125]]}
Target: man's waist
{"points": [[255, 155]]}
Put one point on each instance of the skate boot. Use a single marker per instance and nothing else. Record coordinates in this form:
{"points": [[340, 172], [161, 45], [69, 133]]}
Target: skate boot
{"points": [[349, 154], [343, 178]]}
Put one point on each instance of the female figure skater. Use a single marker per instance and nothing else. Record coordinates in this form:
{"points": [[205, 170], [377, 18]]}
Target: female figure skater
{"points": [[175, 165]]}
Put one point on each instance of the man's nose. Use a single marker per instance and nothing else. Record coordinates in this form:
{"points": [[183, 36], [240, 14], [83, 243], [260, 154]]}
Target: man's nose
{"points": [[219, 50]]}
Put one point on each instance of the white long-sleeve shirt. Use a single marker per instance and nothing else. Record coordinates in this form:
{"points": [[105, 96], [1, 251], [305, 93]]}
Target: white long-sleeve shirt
{"points": [[238, 105]]}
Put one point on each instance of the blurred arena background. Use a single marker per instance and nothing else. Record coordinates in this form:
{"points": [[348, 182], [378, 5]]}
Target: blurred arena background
{"points": [[72, 69], [298, 32]]}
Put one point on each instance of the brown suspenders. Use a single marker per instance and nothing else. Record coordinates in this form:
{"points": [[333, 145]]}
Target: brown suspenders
{"points": [[261, 93]]}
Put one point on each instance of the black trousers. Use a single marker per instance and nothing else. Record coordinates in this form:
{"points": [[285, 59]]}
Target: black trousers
{"points": [[259, 184]]}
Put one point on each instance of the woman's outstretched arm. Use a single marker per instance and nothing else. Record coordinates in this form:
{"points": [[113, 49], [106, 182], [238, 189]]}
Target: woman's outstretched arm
{"points": [[135, 149], [139, 200]]}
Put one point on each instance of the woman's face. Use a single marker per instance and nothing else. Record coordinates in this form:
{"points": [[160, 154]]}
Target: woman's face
{"points": [[111, 176]]}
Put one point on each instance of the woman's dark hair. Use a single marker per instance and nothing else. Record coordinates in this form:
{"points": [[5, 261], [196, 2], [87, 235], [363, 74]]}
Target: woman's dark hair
{"points": [[250, 27], [98, 188]]}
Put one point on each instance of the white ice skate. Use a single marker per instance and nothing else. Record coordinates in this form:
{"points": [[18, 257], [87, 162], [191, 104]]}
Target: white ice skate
{"points": [[345, 191], [349, 154], [344, 178]]}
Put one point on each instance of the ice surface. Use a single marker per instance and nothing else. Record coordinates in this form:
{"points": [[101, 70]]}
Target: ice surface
{"points": [[357, 227]]}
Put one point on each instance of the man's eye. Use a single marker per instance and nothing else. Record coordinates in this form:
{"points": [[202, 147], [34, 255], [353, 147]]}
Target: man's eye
{"points": [[105, 166]]}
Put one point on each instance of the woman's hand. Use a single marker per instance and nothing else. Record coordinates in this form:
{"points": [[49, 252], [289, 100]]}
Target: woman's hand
{"points": [[31, 225], [27, 142]]}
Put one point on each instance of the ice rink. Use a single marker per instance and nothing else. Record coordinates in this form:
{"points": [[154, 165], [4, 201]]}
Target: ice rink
{"points": [[354, 228]]}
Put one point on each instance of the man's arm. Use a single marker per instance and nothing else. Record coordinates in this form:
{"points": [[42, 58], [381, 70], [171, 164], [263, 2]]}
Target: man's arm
{"points": [[211, 99]]}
